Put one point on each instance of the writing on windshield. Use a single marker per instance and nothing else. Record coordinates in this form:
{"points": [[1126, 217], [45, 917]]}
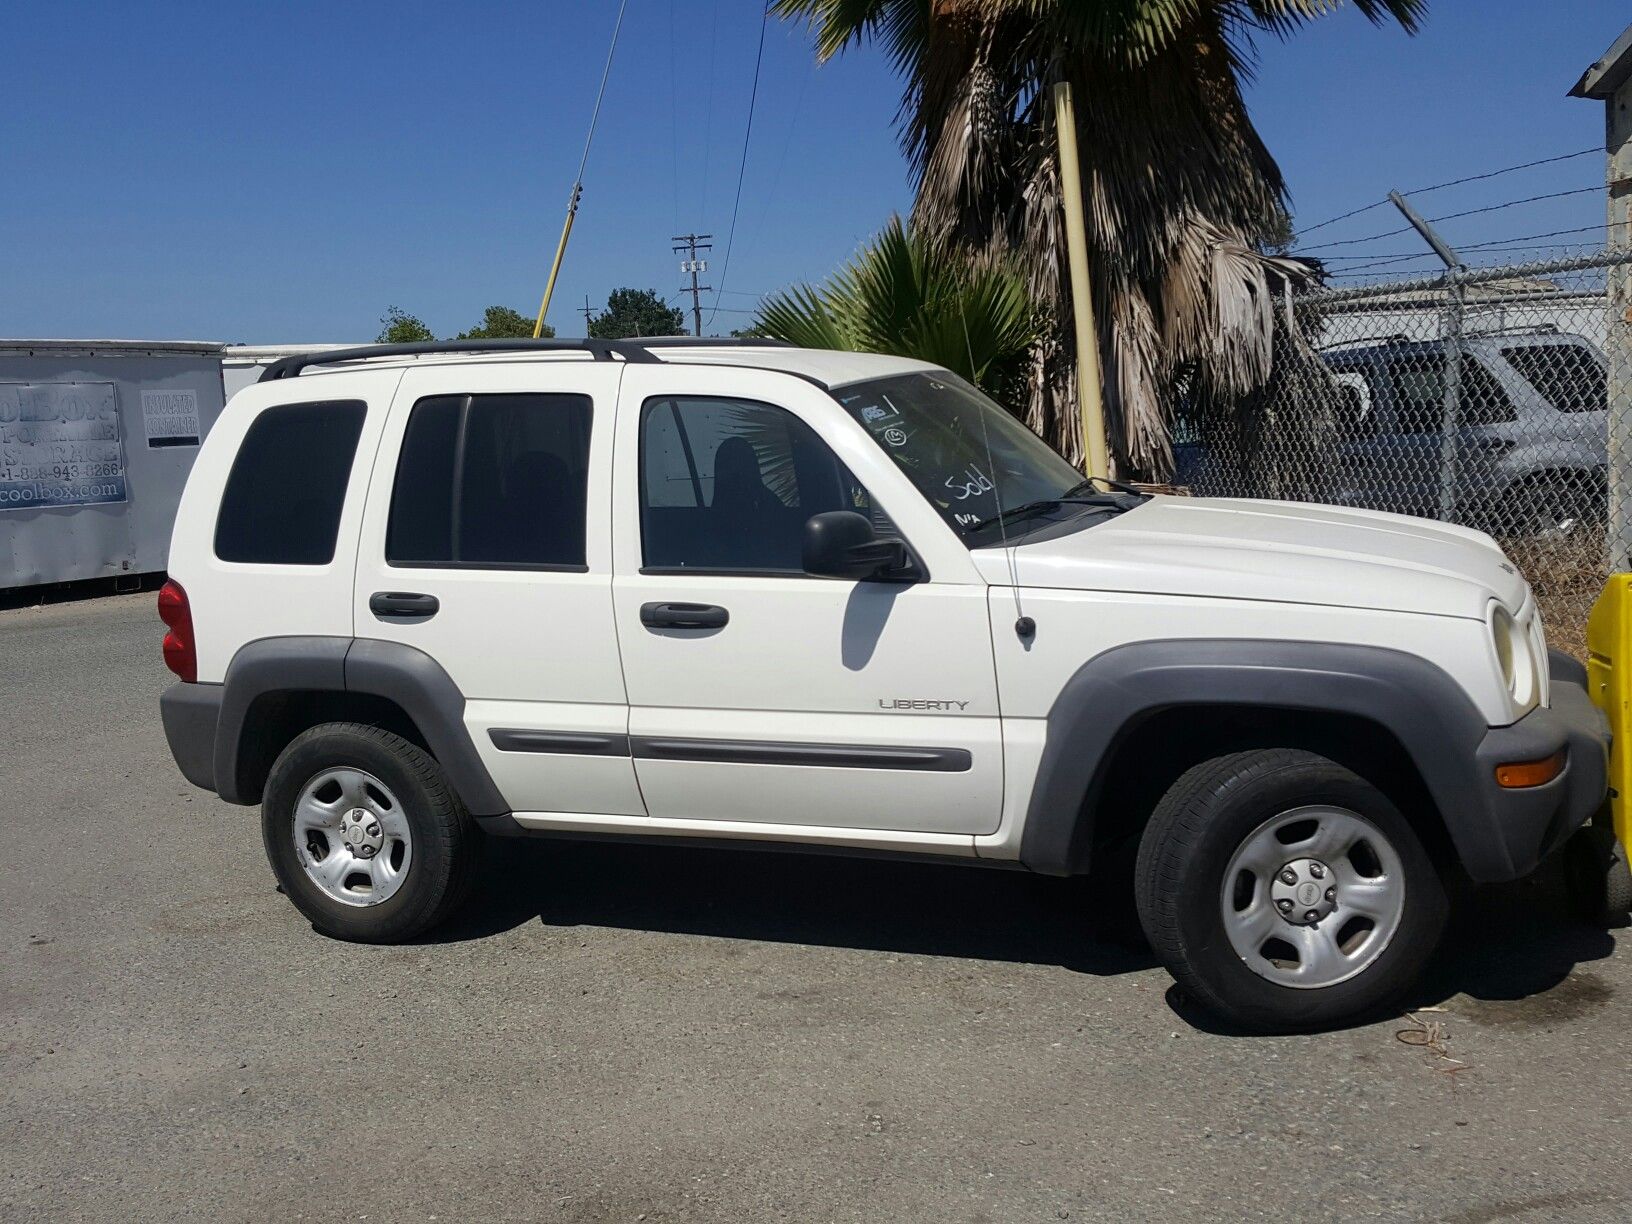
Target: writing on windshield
{"points": [[962, 451]]}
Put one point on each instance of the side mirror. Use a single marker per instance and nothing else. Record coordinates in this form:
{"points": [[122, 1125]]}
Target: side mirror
{"points": [[843, 544]]}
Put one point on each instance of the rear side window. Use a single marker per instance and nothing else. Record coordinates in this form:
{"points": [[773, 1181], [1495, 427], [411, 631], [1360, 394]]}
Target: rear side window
{"points": [[492, 482], [1570, 376], [288, 483]]}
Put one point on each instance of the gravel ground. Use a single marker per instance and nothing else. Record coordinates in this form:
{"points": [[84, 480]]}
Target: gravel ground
{"points": [[625, 1033]]}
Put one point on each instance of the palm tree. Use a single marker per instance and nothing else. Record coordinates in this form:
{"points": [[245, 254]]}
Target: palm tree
{"points": [[1178, 186], [902, 294]]}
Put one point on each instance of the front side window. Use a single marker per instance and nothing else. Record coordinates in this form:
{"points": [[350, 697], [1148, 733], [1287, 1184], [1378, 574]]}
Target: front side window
{"points": [[727, 485], [492, 482], [282, 501], [1570, 376], [964, 453]]}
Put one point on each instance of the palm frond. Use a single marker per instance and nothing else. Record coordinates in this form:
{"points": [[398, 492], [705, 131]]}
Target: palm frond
{"points": [[903, 294]]}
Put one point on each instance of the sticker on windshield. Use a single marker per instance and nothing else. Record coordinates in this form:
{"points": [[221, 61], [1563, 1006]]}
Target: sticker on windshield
{"points": [[895, 436]]}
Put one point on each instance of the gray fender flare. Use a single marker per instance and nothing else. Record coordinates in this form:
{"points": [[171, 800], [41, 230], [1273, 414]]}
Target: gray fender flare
{"points": [[408, 677], [1426, 711]]}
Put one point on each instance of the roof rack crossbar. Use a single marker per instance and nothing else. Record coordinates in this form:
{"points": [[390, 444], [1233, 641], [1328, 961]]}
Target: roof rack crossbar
{"points": [[637, 351]]}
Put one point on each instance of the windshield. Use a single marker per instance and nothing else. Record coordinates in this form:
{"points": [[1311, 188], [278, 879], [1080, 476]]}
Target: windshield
{"points": [[969, 457]]}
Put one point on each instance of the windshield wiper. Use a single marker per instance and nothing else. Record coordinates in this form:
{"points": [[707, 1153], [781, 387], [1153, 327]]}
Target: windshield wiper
{"points": [[1122, 497], [1117, 502]]}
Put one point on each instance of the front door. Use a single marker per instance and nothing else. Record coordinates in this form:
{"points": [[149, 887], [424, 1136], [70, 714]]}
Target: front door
{"points": [[760, 694], [486, 544]]}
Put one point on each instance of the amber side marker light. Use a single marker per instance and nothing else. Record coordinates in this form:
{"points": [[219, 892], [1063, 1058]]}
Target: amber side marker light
{"points": [[1520, 774]]}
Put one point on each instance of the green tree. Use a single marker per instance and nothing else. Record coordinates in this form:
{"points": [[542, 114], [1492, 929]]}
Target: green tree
{"points": [[636, 312], [502, 323], [1179, 187], [902, 294], [397, 326]]}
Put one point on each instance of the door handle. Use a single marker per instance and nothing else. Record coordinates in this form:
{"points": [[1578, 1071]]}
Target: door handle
{"points": [[683, 616], [403, 605]]}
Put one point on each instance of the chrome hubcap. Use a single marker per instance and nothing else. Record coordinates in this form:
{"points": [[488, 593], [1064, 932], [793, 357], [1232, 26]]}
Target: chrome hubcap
{"points": [[1304, 891], [1312, 897], [352, 837]]}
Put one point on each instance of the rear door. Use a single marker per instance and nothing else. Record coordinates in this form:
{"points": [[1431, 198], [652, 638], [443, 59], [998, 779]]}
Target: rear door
{"points": [[486, 544]]}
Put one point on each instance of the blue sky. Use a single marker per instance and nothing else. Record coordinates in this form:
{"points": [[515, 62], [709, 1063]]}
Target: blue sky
{"points": [[283, 172]]}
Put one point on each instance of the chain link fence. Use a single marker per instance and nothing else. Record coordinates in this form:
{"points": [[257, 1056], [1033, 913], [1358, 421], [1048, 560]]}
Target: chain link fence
{"points": [[1499, 398]]}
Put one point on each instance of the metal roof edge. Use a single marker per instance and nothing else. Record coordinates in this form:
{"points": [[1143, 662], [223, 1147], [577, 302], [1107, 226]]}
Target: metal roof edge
{"points": [[201, 347], [1609, 72]]}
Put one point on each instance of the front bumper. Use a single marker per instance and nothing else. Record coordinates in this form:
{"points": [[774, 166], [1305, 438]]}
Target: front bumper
{"points": [[1529, 823]]}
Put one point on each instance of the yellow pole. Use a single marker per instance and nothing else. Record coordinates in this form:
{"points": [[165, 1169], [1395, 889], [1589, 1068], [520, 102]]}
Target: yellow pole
{"points": [[1090, 381], [560, 253]]}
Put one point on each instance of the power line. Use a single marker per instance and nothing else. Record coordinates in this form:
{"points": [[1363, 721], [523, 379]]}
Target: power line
{"points": [[674, 113], [708, 115], [1472, 178], [1405, 229], [742, 163]]}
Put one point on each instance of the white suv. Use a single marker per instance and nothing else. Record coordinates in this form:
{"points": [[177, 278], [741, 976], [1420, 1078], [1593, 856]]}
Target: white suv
{"points": [[747, 593]]}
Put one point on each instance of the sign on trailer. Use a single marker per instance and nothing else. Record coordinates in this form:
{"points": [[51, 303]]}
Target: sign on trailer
{"points": [[60, 445]]}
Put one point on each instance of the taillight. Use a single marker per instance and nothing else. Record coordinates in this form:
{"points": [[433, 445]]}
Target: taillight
{"points": [[180, 651]]}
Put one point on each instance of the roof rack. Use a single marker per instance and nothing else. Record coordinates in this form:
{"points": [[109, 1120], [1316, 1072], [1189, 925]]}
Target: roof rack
{"points": [[637, 350]]}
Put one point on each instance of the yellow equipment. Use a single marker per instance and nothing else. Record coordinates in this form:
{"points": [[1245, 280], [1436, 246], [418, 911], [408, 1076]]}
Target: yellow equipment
{"points": [[1609, 683]]}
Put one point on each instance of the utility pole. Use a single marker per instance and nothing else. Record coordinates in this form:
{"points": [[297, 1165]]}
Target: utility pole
{"points": [[1096, 460], [690, 244], [1451, 399], [1609, 80], [588, 311]]}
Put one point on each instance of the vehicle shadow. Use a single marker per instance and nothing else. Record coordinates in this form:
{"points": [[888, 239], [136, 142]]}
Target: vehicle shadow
{"points": [[1511, 956], [876, 904]]}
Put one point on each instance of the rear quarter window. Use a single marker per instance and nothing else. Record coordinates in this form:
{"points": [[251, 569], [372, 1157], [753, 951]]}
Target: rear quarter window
{"points": [[282, 501], [1569, 376]]}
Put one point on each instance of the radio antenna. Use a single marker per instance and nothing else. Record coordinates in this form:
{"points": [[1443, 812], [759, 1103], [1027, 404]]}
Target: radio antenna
{"points": [[1024, 626]]}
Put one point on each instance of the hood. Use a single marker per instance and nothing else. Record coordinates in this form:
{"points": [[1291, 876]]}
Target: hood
{"points": [[1288, 552]]}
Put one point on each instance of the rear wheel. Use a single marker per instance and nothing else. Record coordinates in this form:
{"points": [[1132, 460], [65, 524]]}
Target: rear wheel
{"points": [[1284, 892], [364, 834]]}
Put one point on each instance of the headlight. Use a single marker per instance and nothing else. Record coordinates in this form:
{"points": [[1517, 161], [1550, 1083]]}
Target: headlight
{"points": [[1516, 657]]}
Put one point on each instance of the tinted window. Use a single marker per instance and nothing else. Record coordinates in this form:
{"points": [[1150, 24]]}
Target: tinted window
{"points": [[728, 485], [1570, 376], [288, 482], [1419, 394], [492, 482]]}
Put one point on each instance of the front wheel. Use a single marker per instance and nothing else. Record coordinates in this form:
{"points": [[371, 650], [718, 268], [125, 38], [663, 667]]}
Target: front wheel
{"points": [[1284, 892], [365, 835]]}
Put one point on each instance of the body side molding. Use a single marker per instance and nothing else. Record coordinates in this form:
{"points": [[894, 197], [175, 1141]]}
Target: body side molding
{"points": [[771, 752]]}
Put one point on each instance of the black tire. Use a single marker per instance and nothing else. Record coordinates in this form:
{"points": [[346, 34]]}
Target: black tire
{"points": [[444, 835], [1192, 836], [1599, 875]]}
